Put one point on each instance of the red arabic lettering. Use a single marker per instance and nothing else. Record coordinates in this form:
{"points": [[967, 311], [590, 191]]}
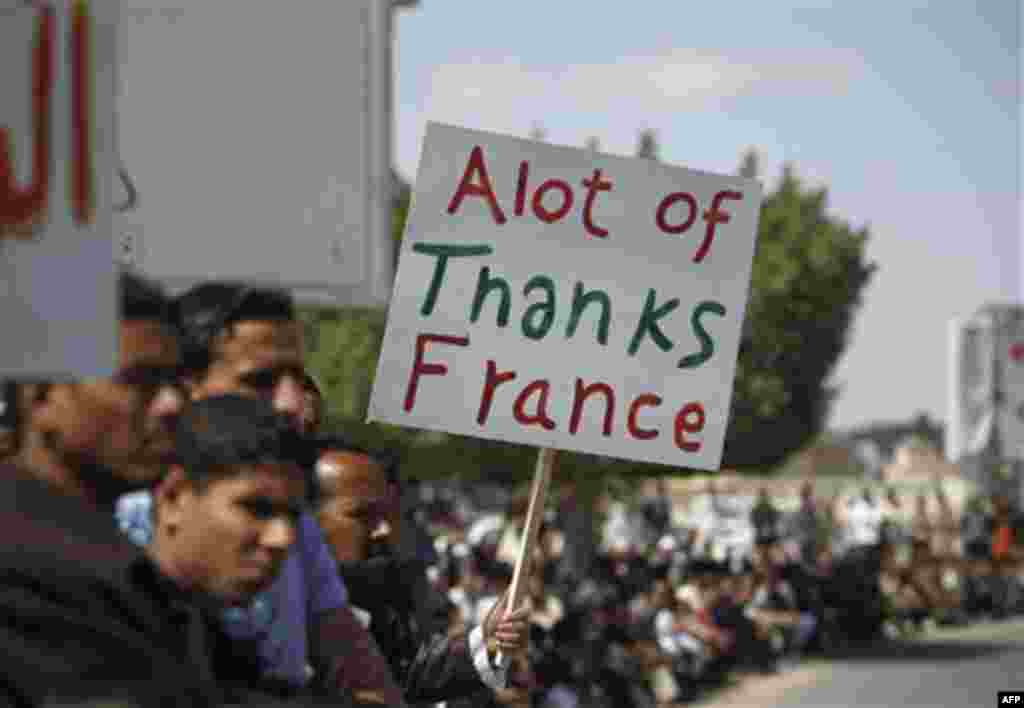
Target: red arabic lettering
{"points": [[81, 163], [24, 208]]}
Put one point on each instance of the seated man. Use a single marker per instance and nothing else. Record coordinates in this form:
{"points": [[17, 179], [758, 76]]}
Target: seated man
{"points": [[725, 612], [225, 518], [356, 516], [765, 518], [774, 605], [702, 593], [678, 634], [83, 613]]}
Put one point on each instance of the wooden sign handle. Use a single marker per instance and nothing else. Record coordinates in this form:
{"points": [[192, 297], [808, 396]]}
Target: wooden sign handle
{"points": [[534, 514]]}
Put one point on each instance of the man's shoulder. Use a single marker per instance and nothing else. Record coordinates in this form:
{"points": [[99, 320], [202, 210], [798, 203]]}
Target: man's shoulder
{"points": [[67, 572], [48, 530]]}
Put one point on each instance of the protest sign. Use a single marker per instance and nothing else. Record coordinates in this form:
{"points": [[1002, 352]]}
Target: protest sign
{"points": [[258, 135], [566, 299], [58, 276]]}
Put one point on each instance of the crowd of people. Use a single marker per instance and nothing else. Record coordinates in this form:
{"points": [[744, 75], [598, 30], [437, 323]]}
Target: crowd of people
{"points": [[185, 533], [650, 609]]}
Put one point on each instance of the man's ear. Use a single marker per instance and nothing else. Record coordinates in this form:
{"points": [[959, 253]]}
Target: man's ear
{"points": [[172, 495], [43, 406]]}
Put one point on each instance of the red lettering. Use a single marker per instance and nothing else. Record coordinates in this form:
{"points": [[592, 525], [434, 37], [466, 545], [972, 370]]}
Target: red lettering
{"points": [[21, 207], [594, 185], [584, 392], [667, 204], [541, 416], [524, 175], [684, 425], [538, 201], [714, 216], [493, 380], [419, 368], [484, 189], [81, 177], [644, 399]]}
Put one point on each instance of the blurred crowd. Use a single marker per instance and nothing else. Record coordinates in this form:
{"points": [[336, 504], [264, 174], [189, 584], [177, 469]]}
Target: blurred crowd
{"points": [[640, 602]]}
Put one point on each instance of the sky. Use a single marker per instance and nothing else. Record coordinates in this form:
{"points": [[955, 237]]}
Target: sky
{"points": [[908, 112]]}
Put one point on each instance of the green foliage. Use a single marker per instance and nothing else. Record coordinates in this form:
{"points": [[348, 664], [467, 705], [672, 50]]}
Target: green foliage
{"points": [[808, 276], [398, 218]]}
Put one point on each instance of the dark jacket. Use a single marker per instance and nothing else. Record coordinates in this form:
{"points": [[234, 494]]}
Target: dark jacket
{"points": [[764, 517], [85, 615], [406, 621]]}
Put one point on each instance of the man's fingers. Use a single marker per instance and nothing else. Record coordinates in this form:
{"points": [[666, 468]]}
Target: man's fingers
{"points": [[511, 628], [511, 637], [521, 613]]}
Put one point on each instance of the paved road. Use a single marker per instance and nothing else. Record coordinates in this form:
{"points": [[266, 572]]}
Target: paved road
{"points": [[945, 669]]}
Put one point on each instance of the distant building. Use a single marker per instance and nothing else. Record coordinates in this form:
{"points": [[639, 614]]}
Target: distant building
{"points": [[891, 436]]}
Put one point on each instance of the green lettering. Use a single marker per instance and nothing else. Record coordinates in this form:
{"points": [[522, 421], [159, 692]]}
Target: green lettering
{"points": [[546, 309], [649, 323], [484, 285], [444, 251], [707, 345], [580, 300]]}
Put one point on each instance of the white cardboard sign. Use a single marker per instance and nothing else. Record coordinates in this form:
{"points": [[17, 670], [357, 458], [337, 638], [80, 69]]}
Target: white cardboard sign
{"points": [[58, 276], [567, 299]]}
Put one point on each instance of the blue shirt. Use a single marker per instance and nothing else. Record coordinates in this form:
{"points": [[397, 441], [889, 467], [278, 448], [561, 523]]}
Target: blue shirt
{"points": [[278, 618]]}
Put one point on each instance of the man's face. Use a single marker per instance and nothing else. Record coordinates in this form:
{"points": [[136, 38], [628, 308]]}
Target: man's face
{"points": [[231, 535], [354, 507], [124, 424], [260, 358], [761, 558]]}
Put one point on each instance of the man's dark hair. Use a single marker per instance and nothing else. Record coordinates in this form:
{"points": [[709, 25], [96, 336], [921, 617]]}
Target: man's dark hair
{"points": [[8, 406], [143, 299], [208, 309], [217, 433]]}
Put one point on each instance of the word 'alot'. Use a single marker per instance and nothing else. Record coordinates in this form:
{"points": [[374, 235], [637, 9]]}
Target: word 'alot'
{"points": [[476, 182]]}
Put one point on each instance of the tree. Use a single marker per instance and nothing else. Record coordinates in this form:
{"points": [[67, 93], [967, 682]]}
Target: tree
{"points": [[809, 273], [399, 211]]}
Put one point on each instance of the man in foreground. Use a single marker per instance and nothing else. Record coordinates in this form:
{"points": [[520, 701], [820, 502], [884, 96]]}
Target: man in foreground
{"points": [[225, 517]]}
